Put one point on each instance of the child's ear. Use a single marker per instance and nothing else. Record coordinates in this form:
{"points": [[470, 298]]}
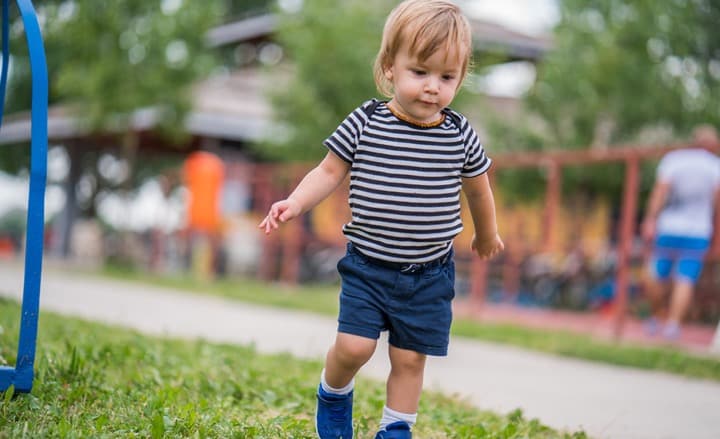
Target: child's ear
{"points": [[388, 73]]}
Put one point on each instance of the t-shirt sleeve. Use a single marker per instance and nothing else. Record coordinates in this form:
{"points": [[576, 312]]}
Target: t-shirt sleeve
{"points": [[476, 161], [344, 140], [665, 168]]}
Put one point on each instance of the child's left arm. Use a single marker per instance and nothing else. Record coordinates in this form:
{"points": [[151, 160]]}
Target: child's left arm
{"points": [[486, 241]]}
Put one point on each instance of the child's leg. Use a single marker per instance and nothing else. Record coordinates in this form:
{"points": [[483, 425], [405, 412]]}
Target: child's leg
{"points": [[333, 418], [345, 358], [404, 384]]}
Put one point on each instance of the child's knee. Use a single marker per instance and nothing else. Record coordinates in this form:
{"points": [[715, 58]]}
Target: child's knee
{"points": [[354, 349]]}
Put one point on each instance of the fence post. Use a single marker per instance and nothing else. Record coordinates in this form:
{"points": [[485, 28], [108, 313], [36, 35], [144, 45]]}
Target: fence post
{"points": [[626, 235], [478, 281], [294, 238], [552, 202]]}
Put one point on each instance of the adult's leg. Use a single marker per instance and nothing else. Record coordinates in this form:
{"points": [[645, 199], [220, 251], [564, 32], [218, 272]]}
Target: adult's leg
{"points": [[680, 301], [345, 357], [655, 284], [688, 272], [653, 290]]}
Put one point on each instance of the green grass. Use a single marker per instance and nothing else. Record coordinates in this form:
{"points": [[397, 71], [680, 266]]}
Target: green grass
{"points": [[323, 299], [99, 381]]}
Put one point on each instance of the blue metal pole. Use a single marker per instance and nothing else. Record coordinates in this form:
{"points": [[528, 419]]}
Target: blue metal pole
{"points": [[5, 55], [21, 376]]}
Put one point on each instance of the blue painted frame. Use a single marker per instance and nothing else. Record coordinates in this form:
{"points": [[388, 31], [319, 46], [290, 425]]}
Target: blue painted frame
{"points": [[21, 376]]}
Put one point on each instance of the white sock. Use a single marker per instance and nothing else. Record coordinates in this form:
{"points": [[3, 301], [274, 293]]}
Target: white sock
{"points": [[390, 416], [332, 390]]}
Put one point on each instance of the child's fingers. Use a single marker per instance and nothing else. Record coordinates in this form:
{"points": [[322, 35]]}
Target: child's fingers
{"points": [[269, 223], [265, 224], [279, 212]]}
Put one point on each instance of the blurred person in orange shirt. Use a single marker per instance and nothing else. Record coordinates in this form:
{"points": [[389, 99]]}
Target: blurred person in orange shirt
{"points": [[204, 173]]}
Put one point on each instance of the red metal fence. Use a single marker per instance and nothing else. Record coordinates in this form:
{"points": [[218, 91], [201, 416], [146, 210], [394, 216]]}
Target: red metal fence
{"points": [[282, 251]]}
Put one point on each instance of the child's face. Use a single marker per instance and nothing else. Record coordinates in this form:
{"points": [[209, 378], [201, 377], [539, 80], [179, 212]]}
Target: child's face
{"points": [[423, 88]]}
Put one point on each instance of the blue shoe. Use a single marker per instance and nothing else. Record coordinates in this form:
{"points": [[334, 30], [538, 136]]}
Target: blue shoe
{"points": [[396, 430], [333, 419]]}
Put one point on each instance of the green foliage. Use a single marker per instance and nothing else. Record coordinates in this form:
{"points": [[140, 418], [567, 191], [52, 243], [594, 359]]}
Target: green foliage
{"points": [[620, 72], [122, 56], [109, 58], [237, 8], [332, 46], [98, 381], [622, 66]]}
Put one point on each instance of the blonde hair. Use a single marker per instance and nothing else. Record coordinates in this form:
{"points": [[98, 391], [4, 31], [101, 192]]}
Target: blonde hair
{"points": [[425, 26]]}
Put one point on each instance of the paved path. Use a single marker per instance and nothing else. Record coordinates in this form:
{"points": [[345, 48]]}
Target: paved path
{"points": [[605, 401]]}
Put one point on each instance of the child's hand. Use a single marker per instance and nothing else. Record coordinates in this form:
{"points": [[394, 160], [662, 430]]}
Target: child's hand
{"points": [[282, 211], [487, 248]]}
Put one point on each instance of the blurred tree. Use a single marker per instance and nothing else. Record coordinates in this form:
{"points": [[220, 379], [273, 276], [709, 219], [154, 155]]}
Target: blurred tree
{"points": [[623, 67], [239, 8], [331, 46], [621, 71], [106, 60]]}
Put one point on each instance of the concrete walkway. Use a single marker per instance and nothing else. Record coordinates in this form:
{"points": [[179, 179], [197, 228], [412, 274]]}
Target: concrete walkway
{"points": [[605, 401]]}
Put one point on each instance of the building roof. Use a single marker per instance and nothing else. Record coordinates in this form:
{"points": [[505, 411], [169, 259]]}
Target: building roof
{"points": [[488, 37], [230, 107], [495, 38], [240, 31]]}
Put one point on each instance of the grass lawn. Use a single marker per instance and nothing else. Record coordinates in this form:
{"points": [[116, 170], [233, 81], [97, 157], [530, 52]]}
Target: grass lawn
{"points": [[99, 381], [323, 299]]}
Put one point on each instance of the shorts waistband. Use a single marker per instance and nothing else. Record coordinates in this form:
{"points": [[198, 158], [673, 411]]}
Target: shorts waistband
{"points": [[403, 267]]}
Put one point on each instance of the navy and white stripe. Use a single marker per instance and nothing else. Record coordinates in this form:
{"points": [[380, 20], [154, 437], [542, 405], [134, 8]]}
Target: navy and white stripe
{"points": [[405, 182]]}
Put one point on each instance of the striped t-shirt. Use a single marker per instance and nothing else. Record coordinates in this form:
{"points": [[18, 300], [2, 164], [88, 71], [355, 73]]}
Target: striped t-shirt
{"points": [[405, 182]]}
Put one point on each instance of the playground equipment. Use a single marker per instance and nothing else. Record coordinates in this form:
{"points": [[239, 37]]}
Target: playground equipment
{"points": [[21, 376]]}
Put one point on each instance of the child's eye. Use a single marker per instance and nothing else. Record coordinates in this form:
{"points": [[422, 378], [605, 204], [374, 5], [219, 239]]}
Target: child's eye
{"points": [[448, 77], [418, 72]]}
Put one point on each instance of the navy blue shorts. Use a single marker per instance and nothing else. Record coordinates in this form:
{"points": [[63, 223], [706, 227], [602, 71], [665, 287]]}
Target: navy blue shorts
{"points": [[415, 307]]}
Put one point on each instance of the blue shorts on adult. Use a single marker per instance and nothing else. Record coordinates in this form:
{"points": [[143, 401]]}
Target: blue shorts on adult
{"points": [[414, 307], [680, 257]]}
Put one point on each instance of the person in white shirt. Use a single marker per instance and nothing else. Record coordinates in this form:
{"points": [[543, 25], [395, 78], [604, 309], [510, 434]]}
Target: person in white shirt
{"points": [[679, 220]]}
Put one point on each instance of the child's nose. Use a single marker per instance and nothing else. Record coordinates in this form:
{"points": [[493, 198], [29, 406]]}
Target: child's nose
{"points": [[432, 85]]}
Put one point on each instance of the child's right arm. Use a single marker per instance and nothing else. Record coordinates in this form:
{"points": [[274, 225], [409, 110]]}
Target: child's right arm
{"points": [[320, 182]]}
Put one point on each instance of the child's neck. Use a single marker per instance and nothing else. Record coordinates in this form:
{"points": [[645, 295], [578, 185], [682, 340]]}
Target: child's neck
{"points": [[397, 112]]}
